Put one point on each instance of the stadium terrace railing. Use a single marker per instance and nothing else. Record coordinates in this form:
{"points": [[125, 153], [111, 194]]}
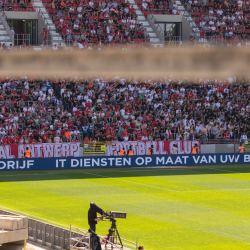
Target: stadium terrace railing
{"points": [[19, 7], [85, 237], [100, 147], [162, 11], [46, 234], [173, 40], [94, 148], [20, 39], [55, 237], [159, 31], [48, 28], [222, 40], [7, 26]]}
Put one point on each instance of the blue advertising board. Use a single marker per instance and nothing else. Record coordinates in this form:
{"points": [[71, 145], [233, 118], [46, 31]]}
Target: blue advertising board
{"points": [[126, 161]]}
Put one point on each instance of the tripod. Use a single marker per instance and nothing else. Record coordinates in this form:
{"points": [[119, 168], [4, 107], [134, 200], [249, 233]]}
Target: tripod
{"points": [[113, 231]]}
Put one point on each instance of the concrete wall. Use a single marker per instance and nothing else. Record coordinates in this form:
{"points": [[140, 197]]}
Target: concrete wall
{"points": [[186, 29], [28, 16], [219, 148], [208, 149], [6, 26], [21, 15], [155, 29]]}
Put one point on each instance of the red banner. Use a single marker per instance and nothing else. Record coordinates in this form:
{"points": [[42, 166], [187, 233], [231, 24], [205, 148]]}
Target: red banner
{"points": [[41, 150], [160, 147]]}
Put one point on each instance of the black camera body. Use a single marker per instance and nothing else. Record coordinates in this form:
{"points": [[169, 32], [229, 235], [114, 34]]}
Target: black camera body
{"points": [[113, 215]]}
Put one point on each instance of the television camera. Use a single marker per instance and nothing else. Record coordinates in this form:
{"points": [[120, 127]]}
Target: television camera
{"points": [[110, 216], [113, 231]]}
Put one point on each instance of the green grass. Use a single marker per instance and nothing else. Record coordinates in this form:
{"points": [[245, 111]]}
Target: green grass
{"points": [[191, 209]]}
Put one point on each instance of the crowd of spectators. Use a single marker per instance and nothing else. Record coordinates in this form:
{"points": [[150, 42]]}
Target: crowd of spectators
{"points": [[76, 109], [97, 22], [158, 7], [222, 21], [22, 47], [17, 5]]}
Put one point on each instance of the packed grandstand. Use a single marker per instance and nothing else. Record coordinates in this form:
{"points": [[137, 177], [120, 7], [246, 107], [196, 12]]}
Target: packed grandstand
{"points": [[113, 23], [44, 110], [62, 110]]}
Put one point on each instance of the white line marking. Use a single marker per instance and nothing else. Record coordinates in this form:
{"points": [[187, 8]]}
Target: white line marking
{"points": [[37, 174], [138, 183], [226, 170], [24, 174], [218, 190], [42, 219], [95, 174], [137, 170]]}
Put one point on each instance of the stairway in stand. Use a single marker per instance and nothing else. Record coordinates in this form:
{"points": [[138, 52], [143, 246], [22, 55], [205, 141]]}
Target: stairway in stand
{"points": [[51, 28], [190, 20], [154, 39], [4, 37]]}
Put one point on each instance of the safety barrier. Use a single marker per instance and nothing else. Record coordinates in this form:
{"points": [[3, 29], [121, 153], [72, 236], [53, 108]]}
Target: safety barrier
{"points": [[94, 148], [247, 144], [46, 234], [125, 161], [85, 238], [54, 237]]}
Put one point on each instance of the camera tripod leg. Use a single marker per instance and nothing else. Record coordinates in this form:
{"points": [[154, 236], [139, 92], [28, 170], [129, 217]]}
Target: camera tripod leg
{"points": [[111, 231], [117, 233]]}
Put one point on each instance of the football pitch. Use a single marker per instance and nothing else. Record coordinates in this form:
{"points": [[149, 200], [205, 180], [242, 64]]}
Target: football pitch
{"points": [[179, 208]]}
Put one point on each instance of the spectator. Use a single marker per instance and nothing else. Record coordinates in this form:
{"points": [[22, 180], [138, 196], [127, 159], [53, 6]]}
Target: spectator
{"points": [[57, 139], [174, 149]]}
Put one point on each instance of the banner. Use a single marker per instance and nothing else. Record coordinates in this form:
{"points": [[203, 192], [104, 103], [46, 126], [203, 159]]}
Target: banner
{"points": [[41, 150], [126, 161], [247, 144], [160, 147]]}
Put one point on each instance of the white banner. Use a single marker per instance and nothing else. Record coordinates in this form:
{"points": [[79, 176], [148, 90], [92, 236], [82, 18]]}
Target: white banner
{"points": [[41, 150], [160, 147]]}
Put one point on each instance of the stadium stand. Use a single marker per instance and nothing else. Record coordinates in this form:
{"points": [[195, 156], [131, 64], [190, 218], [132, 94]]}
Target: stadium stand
{"points": [[158, 7], [42, 110], [23, 5], [221, 22], [110, 22]]}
